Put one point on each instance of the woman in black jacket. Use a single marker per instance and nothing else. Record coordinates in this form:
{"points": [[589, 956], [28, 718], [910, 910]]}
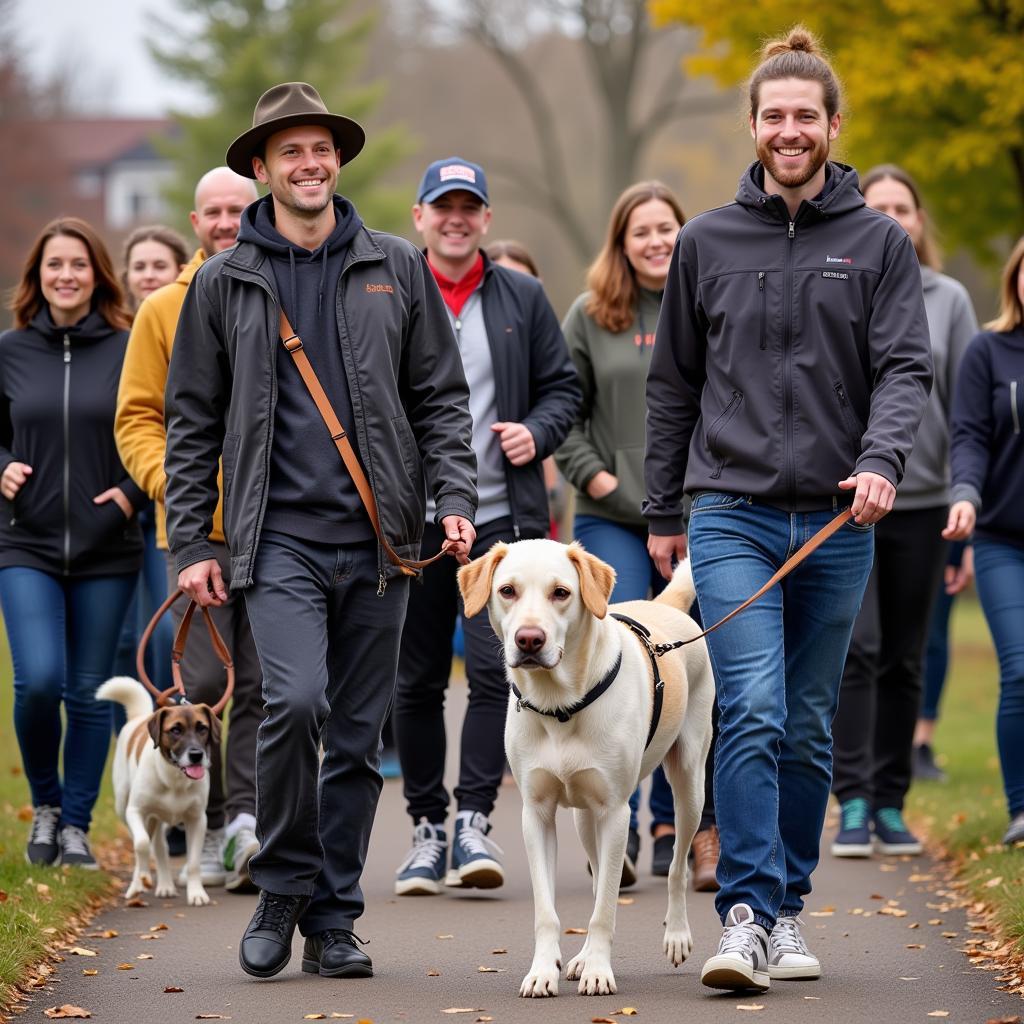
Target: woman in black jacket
{"points": [[70, 546]]}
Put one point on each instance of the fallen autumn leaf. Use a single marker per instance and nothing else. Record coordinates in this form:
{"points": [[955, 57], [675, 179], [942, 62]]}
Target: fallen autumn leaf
{"points": [[67, 1011]]}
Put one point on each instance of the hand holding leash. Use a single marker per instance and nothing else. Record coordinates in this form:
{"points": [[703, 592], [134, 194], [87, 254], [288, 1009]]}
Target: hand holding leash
{"points": [[203, 582], [459, 537]]}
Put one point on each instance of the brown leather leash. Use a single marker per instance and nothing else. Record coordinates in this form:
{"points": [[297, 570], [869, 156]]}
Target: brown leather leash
{"points": [[293, 344], [163, 697], [657, 650]]}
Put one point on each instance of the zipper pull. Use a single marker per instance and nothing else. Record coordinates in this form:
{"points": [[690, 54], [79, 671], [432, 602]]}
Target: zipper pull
{"points": [[67, 349], [792, 230], [381, 584], [840, 393], [760, 280]]}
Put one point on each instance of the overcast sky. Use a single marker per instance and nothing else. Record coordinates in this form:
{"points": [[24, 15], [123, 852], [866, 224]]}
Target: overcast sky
{"points": [[101, 42]]}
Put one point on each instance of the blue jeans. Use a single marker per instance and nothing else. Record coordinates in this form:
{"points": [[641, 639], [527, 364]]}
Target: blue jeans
{"points": [[624, 548], [777, 671], [63, 635], [999, 571]]}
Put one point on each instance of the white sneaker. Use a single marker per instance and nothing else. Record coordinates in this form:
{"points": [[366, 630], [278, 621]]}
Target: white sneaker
{"points": [[211, 860], [239, 849], [788, 955], [742, 958]]}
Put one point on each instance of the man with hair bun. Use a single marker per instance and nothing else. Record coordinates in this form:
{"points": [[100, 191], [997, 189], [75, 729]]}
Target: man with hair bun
{"points": [[791, 371]]}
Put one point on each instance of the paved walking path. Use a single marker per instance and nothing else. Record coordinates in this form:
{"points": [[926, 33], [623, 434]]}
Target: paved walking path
{"points": [[429, 952]]}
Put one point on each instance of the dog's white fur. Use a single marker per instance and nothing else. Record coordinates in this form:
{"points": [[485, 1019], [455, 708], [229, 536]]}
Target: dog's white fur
{"points": [[594, 761], [151, 793]]}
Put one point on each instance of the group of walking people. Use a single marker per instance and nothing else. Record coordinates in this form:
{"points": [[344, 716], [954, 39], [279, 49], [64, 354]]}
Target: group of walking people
{"points": [[726, 385]]}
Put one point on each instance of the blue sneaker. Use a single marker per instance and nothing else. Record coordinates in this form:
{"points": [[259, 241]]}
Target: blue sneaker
{"points": [[421, 872], [891, 833], [475, 863], [854, 836]]}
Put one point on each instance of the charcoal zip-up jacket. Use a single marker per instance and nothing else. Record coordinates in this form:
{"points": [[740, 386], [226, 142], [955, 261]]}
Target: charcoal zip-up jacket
{"points": [[58, 392], [411, 423], [791, 353]]}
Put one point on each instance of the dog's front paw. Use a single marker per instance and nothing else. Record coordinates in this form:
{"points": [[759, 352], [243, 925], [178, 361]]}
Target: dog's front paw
{"points": [[197, 896], [165, 890], [140, 883], [596, 979], [678, 945], [540, 983]]}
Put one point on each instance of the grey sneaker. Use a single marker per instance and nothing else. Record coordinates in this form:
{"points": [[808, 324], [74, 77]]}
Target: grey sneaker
{"points": [[742, 958], [422, 871], [74, 848], [788, 955], [238, 851], [211, 860], [1015, 830], [42, 847]]}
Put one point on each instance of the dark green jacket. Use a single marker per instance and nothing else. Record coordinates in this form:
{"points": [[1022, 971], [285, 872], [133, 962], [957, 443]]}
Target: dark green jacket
{"points": [[409, 398]]}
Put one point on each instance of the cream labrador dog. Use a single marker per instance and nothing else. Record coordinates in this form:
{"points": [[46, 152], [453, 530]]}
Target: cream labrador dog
{"points": [[548, 605]]}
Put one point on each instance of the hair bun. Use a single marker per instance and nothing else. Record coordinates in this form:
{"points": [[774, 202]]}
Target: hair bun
{"points": [[799, 39]]}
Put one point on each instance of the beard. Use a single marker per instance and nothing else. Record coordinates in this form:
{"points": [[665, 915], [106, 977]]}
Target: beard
{"points": [[298, 203], [793, 177]]}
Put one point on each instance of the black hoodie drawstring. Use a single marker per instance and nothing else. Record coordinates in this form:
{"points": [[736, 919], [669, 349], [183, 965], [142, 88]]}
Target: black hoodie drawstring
{"points": [[323, 279]]}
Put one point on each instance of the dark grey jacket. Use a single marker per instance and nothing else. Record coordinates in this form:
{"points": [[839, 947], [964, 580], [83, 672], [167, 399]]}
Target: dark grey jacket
{"points": [[790, 353], [409, 398]]}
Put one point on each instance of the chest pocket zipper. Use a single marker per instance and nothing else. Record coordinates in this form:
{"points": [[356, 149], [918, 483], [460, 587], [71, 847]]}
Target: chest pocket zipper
{"points": [[764, 312], [853, 431], [1014, 408]]}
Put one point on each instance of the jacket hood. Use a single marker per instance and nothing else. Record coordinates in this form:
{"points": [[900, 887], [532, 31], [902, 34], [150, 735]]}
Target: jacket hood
{"points": [[92, 327], [258, 227], [841, 193]]}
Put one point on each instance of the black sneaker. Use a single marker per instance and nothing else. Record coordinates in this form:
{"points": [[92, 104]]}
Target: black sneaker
{"points": [[661, 856], [266, 945], [43, 847], [334, 954], [74, 848], [925, 766], [628, 861]]}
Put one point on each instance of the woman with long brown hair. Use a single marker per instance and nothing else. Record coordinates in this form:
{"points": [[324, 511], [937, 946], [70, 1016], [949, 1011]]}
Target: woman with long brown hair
{"points": [[69, 543], [610, 333]]}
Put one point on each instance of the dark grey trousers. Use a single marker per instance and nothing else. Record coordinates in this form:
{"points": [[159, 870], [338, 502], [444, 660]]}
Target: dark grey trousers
{"points": [[329, 649], [233, 786]]}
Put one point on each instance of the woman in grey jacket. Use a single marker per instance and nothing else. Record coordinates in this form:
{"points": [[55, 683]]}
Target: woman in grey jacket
{"points": [[881, 688], [610, 333]]}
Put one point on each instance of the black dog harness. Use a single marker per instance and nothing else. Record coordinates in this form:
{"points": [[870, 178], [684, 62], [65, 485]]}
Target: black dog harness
{"points": [[654, 652]]}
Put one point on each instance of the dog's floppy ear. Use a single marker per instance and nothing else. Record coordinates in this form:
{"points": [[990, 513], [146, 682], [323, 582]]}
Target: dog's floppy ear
{"points": [[475, 579], [155, 725], [597, 579], [212, 721]]}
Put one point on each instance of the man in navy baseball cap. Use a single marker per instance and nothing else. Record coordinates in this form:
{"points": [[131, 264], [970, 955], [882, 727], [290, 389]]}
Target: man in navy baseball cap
{"points": [[450, 174]]}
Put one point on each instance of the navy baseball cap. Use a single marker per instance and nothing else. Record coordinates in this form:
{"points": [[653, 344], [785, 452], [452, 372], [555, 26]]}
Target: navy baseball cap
{"points": [[450, 174]]}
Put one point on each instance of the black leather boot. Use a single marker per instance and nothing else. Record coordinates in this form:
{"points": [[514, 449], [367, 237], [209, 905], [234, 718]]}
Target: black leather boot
{"points": [[334, 954], [266, 945]]}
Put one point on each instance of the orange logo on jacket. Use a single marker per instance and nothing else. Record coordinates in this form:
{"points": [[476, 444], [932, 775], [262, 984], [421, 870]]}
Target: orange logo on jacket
{"points": [[373, 289]]}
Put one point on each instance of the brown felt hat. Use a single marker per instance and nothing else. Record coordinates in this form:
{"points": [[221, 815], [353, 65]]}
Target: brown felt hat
{"points": [[288, 106]]}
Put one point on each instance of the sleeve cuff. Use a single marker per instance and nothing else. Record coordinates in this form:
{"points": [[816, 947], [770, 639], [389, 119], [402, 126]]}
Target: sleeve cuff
{"points": [[665, 526], [134, 493], [965, 492], [187, 556], [454, 505]]}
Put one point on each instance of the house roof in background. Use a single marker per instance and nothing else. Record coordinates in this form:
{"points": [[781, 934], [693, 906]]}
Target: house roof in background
{"points": [[89, 143]]}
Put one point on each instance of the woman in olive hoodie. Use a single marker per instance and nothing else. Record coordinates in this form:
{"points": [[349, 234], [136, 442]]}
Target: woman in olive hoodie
{"points": [[610, 333], [70, 546]]}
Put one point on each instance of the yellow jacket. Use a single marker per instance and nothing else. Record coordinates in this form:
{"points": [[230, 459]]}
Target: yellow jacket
{"points": [[139, 423]]}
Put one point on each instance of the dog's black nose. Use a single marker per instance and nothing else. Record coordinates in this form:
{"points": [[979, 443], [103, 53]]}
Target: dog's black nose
{"points": [[195, 756], [530, 639]]}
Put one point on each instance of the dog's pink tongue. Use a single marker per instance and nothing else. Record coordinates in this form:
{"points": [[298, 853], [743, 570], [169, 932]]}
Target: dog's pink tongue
{"points": [[195, 771]]}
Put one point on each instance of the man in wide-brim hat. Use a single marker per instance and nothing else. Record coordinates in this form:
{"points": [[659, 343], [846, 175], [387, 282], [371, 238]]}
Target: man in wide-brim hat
{"points": [[325, 602]]}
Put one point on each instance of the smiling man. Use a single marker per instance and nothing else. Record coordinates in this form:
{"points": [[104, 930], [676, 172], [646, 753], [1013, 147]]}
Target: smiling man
{"points": [[523, 396], [791, 372], [325, 599]]}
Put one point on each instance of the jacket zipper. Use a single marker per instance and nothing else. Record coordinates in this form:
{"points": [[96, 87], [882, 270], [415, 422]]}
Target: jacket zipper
{"points": [[787, 366], [1013, 407], [764, 326], [67, 455]]}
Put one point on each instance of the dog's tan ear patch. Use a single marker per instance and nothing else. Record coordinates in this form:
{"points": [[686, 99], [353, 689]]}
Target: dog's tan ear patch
{"points": [[597, 579], [475, 579], [212, 721], [155, 725]]}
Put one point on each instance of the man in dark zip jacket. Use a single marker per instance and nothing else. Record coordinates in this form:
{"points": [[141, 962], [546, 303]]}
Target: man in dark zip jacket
{"points": [[325, 604], [790, 373], [523, 396]]}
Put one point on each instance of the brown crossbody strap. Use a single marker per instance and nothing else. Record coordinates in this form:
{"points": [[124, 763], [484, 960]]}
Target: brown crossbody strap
{"points": [[293, 344]]}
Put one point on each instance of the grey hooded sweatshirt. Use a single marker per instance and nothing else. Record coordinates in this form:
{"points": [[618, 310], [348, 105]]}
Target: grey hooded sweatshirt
{"points": [[792, 352]]}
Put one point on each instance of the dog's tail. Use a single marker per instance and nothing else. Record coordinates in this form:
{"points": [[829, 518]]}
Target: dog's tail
{"points": [[680, 593], [129, 692]]}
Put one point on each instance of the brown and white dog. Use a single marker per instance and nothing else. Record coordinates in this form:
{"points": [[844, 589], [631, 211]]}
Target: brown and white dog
{"points": [[162, 778], [548, 605]]}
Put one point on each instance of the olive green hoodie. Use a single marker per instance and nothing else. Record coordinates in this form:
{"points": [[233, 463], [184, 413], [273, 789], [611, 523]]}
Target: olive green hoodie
{"points": [[609, 430]]}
